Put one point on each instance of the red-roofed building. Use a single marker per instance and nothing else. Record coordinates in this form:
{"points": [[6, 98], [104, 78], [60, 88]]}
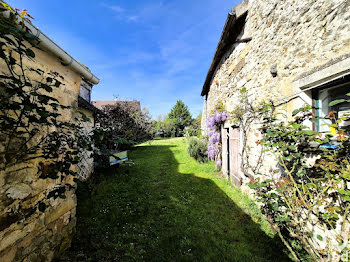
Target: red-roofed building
{"points": [[100, 104]]}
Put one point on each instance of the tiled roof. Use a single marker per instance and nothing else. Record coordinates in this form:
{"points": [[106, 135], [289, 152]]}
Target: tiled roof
{"points": [[100, 104]]}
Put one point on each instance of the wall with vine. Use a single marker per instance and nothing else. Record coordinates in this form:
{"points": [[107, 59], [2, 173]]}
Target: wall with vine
{"points": [[39, 145]]}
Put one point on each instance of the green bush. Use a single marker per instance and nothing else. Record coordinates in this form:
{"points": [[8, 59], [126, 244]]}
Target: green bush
{"points": [[190, 131], [197, 148]]}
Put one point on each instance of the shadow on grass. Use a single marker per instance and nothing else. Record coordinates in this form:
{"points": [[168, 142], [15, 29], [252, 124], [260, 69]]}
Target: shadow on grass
{"points": [[151, 212]]}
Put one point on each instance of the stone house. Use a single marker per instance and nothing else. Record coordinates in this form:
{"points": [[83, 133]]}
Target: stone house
{"points": [[290, 52], [27, 234]]}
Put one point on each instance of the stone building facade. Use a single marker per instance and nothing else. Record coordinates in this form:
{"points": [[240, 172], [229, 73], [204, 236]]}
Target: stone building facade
{"points": [[27, 234], [289, 52]]}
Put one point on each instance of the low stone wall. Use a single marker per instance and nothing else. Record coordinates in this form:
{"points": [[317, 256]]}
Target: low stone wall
{"points": [[39, 236]]}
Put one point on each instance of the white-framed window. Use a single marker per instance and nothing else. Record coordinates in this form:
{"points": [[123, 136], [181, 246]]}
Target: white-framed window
{"points": [[326, 95]]}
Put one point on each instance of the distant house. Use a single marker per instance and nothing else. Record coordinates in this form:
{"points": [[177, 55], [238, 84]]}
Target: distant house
{"points": [[290, 53], [27, 234], [101, 104]]}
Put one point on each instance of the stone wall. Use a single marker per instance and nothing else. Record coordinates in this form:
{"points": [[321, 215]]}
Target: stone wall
{"points": [[26, 234], [294, 37]]}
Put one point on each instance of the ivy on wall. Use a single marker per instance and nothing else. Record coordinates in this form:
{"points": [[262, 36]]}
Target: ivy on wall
{"points": [[32, 120]]}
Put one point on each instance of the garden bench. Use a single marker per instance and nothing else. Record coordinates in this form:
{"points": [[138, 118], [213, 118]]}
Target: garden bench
{"points": [[120, 157]]}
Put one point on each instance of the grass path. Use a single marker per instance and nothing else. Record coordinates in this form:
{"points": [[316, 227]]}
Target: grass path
{"points": [[169, 208]]}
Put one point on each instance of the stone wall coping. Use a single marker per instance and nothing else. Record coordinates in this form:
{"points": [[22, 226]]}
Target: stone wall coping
{"points": [[329, 71]]}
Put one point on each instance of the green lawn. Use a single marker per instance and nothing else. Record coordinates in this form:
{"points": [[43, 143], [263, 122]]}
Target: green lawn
{"points": [[168, 207]]}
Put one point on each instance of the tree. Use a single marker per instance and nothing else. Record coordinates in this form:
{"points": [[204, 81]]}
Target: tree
{"points": [[197, 122], [180, 116], [122, 125]]}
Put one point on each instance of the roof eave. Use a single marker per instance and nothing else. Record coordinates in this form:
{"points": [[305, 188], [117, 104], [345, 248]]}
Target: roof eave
{"points": [[49, 45], [85, 104], [236, 13]]}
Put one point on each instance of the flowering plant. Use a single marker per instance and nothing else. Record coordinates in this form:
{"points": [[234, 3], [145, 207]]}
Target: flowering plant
{"points": [[307, 195], [214, 123]]}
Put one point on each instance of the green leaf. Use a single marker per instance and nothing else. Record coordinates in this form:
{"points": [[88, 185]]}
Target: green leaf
{"points": [[282, 219], [274, 206], [295, 125], [62, 196], [296, 111], [57, 83], [270, 133], [308, 132], [273, 195], [30, 36], [292, 147], [46, 88], [335, 102], [344, 192], [346, 176], [319, 237], [311, 185], [30, 53]]}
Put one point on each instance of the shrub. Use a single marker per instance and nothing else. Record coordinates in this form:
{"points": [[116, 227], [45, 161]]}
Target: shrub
{"points": [[164, 128], [125, 122], [190, 131], [105, 141], [310, 199], [197, 148]]}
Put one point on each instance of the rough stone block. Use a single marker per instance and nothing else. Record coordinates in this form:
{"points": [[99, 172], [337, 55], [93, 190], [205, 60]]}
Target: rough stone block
{"points": [[68, 204], [245, 52]]}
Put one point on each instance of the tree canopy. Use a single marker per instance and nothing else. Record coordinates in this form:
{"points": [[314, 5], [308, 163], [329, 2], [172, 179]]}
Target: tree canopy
{"points": [[180, 116]]}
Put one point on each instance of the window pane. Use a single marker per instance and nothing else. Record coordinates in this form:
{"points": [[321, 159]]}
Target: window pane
{"points": [[85, 91], [325, 96]]}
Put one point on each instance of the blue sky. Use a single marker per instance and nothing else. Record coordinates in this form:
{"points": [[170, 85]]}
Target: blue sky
{"points": [[153, 51]]}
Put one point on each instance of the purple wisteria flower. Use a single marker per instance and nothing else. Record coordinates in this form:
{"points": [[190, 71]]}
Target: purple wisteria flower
{"points": [[214, 123], [218, 118], [210, 122], [224, 116]]}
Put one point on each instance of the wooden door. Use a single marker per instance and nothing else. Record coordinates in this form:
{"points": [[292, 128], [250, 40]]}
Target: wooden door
{"points": [[235, 155], [225, 149]]}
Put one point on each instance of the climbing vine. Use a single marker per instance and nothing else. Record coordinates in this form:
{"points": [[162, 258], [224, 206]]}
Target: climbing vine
{"points": [[248, 115], [307, 193], [214, 124], [34, 125]]}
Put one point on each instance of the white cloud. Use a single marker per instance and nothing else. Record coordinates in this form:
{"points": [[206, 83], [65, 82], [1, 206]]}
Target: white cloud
{"points": [[121, 13], [133, 18], [115, 8]]}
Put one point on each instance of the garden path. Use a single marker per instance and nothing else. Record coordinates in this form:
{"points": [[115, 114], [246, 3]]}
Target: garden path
{"points": [[168, 207]]}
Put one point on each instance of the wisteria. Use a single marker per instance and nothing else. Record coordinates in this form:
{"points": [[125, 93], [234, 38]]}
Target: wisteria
{"points": [[214, 122]]}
